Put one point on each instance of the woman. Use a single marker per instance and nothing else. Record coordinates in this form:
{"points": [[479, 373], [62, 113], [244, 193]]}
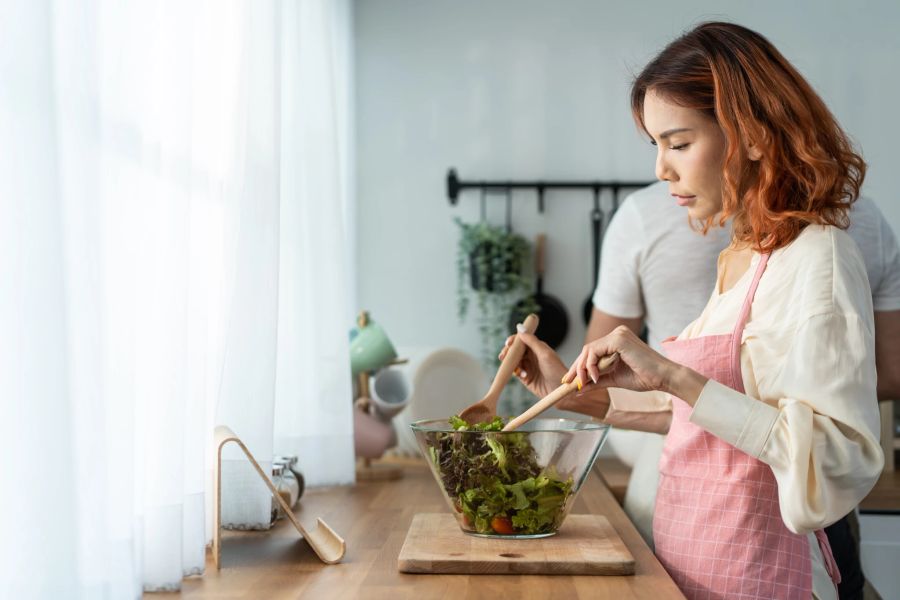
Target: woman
{"points": [[768, 398]]}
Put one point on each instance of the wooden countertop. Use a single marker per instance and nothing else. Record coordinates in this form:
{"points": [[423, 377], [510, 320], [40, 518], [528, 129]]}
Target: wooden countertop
{"points": [[373, 518]]}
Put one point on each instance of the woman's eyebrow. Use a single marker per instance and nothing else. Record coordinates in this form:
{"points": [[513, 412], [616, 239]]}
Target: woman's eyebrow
{"points": [[669, 132]]}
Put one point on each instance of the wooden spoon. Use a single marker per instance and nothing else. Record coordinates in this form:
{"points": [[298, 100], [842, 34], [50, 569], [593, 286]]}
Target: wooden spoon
{"points": [[486, 409], [558, 394]]}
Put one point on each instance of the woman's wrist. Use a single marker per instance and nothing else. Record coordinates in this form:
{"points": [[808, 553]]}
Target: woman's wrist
{"points": [[593, 401], [685, 383]]}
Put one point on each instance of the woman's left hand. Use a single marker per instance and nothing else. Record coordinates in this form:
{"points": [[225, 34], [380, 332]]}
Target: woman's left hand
{"points": [[639, 368]]}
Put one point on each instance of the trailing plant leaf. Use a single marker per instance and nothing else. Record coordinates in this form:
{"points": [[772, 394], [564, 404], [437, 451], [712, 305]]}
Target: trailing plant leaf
{"points": [[490, 262]]}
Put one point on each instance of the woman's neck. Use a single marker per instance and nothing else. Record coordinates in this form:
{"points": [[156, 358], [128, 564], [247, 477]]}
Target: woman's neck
{"points": [[733, 263]]}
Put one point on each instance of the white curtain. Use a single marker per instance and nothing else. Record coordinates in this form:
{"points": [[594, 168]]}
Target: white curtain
{"points": [[174, 193]]}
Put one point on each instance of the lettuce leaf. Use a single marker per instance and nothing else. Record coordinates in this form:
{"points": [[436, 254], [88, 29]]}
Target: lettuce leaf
{"points": [[498, 475]]}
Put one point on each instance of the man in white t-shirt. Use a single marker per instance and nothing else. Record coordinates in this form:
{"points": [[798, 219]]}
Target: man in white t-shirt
{"points": [[657, 271]]}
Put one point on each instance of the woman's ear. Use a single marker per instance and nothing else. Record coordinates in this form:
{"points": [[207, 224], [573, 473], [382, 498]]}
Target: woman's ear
{"points": [[753, 152]]}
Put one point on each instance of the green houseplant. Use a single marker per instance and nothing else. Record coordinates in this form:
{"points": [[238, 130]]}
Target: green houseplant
{"points": [[490, 261]]}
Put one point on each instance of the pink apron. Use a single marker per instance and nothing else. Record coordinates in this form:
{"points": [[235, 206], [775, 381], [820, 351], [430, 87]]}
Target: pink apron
{"points": [[717, 525]]}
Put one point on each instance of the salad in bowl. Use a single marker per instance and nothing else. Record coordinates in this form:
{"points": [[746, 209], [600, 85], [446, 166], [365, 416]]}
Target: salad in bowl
{"points": [[516, 484]]}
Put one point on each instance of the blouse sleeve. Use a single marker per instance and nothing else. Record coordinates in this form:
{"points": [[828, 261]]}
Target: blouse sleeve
{"points": [[817, 426]]}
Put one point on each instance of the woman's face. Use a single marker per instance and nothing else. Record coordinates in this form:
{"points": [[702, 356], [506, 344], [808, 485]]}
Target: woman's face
{"points": [[690, 154]]}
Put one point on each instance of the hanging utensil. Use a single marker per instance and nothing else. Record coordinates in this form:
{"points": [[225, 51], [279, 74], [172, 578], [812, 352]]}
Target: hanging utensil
{"points": [[558, 394], [483, 205], [508, 210], [486, 409], [596, 238]]}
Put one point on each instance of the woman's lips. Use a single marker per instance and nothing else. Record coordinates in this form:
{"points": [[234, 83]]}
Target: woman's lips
{"points": [[683, 200]]}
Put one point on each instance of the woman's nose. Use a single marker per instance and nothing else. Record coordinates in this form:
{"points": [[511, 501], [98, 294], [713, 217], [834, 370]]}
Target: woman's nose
{"points": [[663, 169]]}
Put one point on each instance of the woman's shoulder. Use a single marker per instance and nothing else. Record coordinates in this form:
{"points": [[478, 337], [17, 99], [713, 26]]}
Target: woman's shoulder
{"points": [[820, 245], [824, 270], [820, 235]]}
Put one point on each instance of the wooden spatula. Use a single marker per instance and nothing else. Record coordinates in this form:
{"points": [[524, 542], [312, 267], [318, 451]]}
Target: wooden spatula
{"points": [[558, 394], [486, 409]]}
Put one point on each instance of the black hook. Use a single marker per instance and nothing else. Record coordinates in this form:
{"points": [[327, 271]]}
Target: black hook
{"points": [[452, 186]]}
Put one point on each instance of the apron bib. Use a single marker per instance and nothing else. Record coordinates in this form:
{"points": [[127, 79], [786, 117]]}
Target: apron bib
{"points": [[717, 524]]}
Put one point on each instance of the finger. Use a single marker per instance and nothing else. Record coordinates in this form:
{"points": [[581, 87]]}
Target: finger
{"points": [[581, 369], [522, 374], [573, 370], [593, 372], [531, 341]]}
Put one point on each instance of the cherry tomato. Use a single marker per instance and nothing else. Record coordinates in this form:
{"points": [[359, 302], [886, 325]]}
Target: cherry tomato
{"points": [[502, 525]]}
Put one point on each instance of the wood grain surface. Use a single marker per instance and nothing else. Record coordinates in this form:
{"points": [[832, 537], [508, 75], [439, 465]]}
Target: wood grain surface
{"points": [[585, 545], [374, 518]]}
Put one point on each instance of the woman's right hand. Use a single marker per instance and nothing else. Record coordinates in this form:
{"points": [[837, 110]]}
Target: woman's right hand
{"points": [[540, 369]]}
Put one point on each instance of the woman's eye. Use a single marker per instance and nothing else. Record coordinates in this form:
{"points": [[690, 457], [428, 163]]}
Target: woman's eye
{"points": [[678, 147]]}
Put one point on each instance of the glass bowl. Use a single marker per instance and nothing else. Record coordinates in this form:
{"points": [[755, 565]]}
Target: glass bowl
{"points": [[517, 484]]}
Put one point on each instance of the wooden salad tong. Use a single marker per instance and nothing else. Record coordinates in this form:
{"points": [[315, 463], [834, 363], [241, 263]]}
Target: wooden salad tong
{"points": [[486, 409]]}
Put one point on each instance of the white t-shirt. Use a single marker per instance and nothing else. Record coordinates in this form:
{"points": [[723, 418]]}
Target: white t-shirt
{"points": [[656, 267], [653, 265]]}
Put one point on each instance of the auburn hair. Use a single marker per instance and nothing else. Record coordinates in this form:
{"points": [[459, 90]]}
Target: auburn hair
{"points": [[808, 171]]}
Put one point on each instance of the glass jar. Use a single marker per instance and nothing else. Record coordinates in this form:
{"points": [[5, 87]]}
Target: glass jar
{"points": [[281, 487], [286, 483]]}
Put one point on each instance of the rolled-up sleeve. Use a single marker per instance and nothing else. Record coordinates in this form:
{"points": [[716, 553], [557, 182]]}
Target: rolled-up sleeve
{"points": [[816, 424]]}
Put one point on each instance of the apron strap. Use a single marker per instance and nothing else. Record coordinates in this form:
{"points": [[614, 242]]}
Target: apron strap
{"points": [[742, 320], [830, 564]]}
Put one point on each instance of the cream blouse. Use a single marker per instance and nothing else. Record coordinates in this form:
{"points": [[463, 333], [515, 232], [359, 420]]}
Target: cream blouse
{"points": [[808, 362]]}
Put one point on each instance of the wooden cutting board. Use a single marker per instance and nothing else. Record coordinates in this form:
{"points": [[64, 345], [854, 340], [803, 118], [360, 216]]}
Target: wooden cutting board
{"points": [[585, 545]]}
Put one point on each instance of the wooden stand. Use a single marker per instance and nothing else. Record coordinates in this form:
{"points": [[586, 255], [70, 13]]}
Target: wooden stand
{"points": [[327, 544]]}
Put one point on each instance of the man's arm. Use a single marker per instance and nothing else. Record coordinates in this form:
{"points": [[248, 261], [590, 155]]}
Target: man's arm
{"points": [[602, 323], [887, 353]]}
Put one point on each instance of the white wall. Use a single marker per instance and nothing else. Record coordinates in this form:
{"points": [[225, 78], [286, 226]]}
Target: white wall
{"points": [[880, 552], [537, 89]]}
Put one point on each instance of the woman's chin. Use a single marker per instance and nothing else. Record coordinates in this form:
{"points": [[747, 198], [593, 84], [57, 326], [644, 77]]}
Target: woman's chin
{"points": [[700, 213]]}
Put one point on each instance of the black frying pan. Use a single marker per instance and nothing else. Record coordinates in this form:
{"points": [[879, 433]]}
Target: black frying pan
{"points": [[554, 322], [596, 235]]}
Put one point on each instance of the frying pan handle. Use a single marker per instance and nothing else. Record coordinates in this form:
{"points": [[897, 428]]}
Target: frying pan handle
{"points": [[597, 224], [539, 244]]}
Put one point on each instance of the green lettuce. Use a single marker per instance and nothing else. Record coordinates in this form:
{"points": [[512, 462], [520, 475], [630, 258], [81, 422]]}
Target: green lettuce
{"points": [[497, 476]]}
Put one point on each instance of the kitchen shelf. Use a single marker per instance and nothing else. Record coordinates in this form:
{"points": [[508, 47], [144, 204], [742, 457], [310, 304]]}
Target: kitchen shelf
{"points": [[455, 186]]}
